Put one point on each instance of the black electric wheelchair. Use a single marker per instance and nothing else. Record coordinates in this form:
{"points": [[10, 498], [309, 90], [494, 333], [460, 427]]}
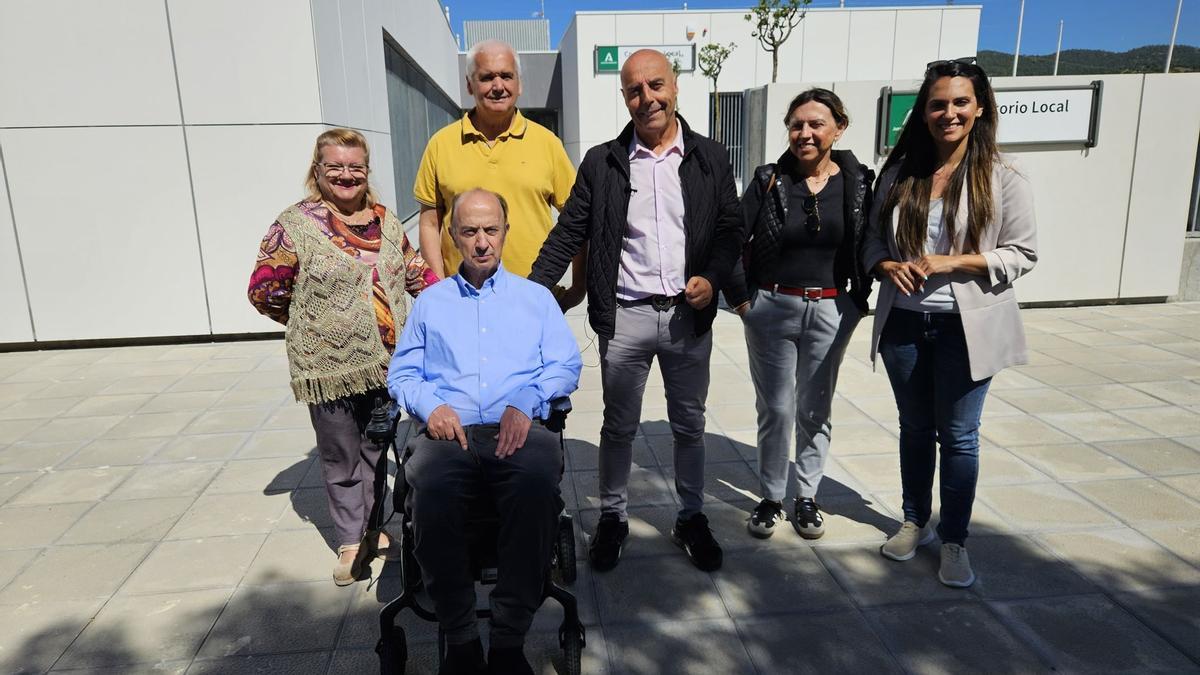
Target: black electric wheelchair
{"points": [[482, 529]]}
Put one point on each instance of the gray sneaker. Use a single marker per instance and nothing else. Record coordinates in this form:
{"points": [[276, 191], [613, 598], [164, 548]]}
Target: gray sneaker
{"points": [[956, 567], [903, 545]]}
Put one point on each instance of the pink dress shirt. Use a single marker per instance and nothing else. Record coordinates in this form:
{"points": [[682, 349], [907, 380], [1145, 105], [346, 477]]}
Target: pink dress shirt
{"points": [[653, 252]]}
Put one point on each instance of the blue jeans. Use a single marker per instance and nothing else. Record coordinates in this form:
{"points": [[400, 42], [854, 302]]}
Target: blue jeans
{"points": [[926, 359]]}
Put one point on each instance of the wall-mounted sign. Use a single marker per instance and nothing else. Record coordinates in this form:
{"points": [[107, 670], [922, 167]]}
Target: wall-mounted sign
{"points": [[1028, 115], [898, 106], [610, 58]]}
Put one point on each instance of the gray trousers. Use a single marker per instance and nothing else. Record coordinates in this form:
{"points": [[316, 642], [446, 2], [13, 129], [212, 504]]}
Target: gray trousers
{"points": [[640, 334], [444, 480], [796, 347], [348, 461]]}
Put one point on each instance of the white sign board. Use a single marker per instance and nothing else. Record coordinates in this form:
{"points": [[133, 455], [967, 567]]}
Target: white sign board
{"points": [[1028, 116], [1046, 115], [683, 56]]}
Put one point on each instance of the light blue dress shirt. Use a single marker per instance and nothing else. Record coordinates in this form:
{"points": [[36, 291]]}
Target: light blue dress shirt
{"points": [[481, 350]]}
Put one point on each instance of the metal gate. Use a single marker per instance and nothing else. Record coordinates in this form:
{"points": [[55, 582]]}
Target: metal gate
{"points": [[730, 131]]}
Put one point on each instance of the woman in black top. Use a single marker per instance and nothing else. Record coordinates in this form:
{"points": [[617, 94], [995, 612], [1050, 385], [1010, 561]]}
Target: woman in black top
{"points": [[800, 293]]}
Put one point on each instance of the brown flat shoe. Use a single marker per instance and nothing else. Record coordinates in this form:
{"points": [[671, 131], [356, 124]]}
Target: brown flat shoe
{"points": [[346, 573]]}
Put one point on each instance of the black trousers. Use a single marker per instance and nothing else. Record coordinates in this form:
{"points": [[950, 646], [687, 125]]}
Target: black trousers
{"points": [[443, 479]]}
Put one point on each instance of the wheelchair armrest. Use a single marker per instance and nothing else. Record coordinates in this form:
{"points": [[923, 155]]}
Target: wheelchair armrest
{"points": [[382, 427], [559, 408]]}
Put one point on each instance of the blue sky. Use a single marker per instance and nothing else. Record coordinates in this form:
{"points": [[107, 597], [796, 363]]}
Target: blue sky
{"points": [[1116, 25]]}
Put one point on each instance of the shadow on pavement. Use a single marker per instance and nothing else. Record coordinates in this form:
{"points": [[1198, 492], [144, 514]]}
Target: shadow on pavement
{"points": [[1074, 600]]}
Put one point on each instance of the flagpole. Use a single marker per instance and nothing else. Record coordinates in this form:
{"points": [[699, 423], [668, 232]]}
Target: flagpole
{"points": [[1174, 32], [1017, 51], [1058, 49]]}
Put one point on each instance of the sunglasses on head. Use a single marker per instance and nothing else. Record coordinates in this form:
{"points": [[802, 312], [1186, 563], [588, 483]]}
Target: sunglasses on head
{"points": [[943, 63]]}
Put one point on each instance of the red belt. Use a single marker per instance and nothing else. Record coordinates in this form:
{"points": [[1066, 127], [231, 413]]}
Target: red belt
{"points": [[808, 292]]}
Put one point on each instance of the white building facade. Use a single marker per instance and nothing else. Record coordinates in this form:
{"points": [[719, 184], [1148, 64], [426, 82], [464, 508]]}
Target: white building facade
{"points": [[146, 151], [148, 144], [828, 45]]}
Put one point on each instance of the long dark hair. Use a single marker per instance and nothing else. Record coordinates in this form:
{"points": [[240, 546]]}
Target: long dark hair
{"points": [[917, 156]]}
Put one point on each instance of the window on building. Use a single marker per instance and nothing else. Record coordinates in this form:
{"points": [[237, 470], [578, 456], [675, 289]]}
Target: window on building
{"points": [[543, 116], [729, 131], [416, 108]]}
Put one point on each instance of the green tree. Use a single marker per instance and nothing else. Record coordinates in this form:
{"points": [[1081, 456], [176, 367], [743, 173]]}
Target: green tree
{"points": [[712, 59], [773, 23]]}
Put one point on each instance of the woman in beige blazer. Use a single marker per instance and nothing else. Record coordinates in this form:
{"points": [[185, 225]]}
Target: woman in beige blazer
{"points": [[952, 227]]}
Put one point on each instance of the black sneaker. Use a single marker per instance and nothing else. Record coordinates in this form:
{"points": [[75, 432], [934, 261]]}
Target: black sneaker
{"points": [[508, 661], [762, 520], [694, 537], [808, 521], [464, 659], [605, 550]]}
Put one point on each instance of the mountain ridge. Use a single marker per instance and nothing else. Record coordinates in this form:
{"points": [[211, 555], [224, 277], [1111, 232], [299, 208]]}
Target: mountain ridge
{"points": [[1147, 59]]}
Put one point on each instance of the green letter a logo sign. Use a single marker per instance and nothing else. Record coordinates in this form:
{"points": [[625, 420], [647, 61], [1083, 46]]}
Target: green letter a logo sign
{"points": [[606, 60]]}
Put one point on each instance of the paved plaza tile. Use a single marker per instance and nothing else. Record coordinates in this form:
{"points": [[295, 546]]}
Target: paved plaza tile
{"points": [[162, 511]]}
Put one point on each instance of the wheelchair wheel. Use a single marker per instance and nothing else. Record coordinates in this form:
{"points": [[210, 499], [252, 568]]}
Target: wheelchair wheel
{"points": [[564, 553], [393, 652], [573, 652]]}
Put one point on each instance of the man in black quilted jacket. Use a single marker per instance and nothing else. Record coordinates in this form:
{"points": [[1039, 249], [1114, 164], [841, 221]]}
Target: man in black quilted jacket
{"points": [[659, 211]]}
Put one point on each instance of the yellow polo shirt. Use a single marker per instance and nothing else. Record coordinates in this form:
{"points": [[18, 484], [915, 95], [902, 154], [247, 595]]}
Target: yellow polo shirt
{"points": [[526, 164]]}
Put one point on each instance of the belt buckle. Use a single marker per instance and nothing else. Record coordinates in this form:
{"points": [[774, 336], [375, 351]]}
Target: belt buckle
{"points": [[812, 292], [660, 303]]}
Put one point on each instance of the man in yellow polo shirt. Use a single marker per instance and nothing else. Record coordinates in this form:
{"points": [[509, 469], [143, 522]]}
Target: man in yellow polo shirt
{"points": [[496, 148]]}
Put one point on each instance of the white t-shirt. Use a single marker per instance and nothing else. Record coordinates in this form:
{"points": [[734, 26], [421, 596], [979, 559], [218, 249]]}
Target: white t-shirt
{"points": [[937, 296]]}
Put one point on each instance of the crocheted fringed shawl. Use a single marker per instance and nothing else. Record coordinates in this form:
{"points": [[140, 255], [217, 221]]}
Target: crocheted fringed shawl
{"points": [[333, 344]]}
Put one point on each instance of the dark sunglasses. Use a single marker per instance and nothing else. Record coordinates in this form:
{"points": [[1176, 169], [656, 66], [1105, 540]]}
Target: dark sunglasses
{"points": [[942, 63], [813, 211]]}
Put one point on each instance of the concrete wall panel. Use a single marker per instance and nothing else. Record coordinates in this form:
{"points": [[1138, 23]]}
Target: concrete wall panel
{"points": [[872, 41], [14, 306], [246, 62], [918, 41], [234, 213], [571, 76], [331, 64], [375, 13], [740, 67], [1082, 198], [826, 46], [601, 112], [86, 62], [675, 29], [420, 28], [382, 167], [960, 30], [643, 29], [1161, 185], [114, 254]]}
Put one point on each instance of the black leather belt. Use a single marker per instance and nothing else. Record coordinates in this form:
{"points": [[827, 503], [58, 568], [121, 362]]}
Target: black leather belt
{"points": [[660, 303]]}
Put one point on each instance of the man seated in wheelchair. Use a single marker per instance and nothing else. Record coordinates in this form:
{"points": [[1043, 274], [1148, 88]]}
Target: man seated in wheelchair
{"points": [[481, 356]]}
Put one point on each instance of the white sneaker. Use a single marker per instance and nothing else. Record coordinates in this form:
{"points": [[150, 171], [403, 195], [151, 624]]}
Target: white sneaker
{"points": [[956, 567], [903, 545]]}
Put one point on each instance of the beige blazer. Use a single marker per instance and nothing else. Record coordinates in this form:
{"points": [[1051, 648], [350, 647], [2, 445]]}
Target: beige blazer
{"points": [[988, 306]]}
